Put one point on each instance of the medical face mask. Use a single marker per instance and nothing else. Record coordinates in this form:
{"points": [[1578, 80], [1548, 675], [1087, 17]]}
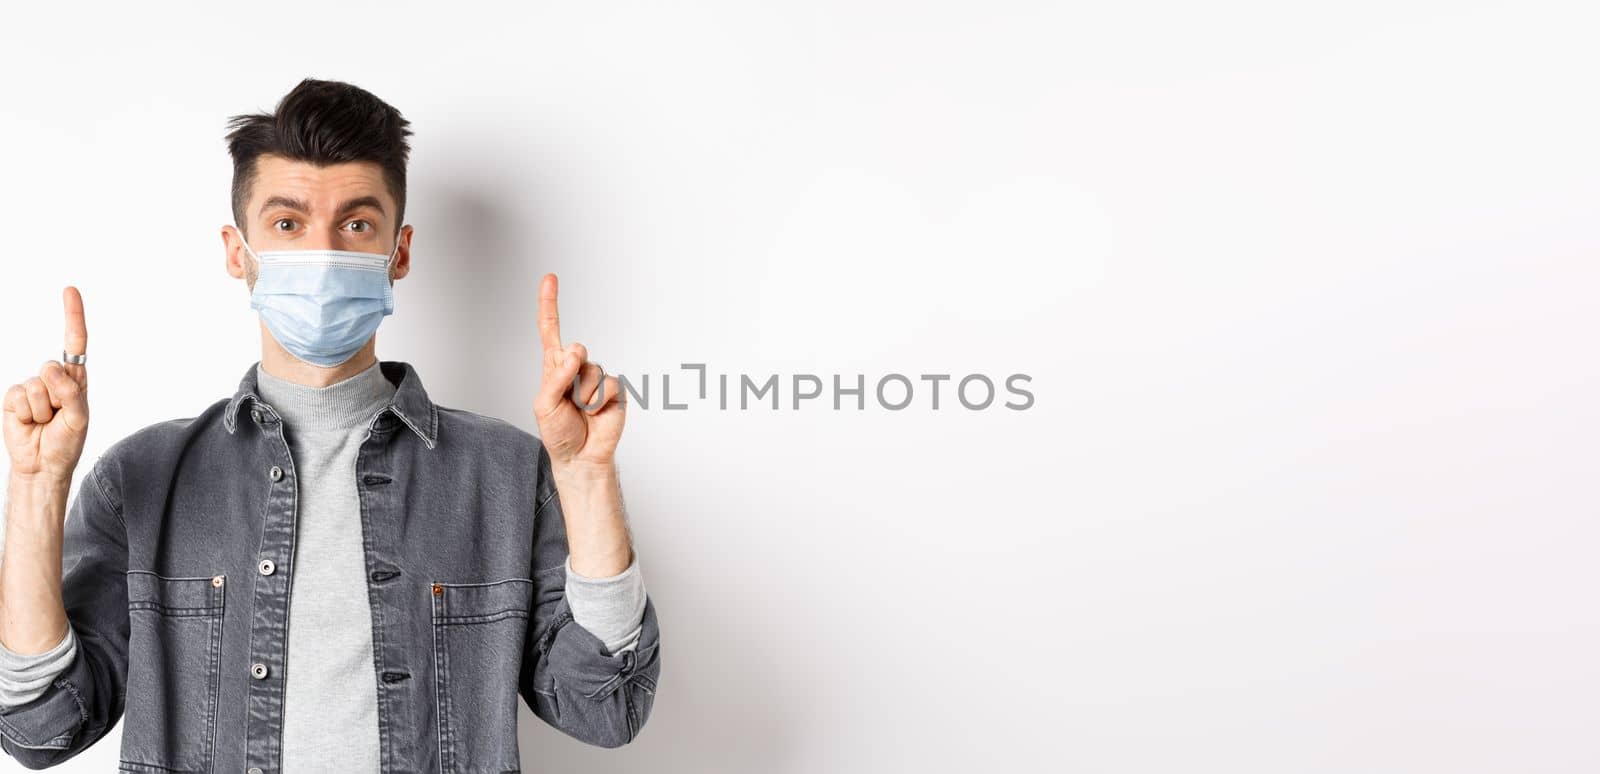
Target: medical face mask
{"points": [[323, 305]]}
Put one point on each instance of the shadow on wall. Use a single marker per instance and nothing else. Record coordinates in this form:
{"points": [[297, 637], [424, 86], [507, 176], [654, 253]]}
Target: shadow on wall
{"points": [[481, 247]]}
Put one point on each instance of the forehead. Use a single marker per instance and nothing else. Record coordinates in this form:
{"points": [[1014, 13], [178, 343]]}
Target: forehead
{"points": [[323, 188]]}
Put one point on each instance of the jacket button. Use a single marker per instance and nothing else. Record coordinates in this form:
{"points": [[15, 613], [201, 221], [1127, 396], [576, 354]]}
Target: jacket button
{"points": [[266, 567], [276, 472], [253, 770], [258, 670]]}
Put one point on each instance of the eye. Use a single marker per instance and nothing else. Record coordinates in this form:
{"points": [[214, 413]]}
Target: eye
{"points": [[367, 226], [280, 221]]}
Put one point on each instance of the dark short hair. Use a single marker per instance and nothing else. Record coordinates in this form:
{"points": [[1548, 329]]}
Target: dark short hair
{"points": [[323, 122]]}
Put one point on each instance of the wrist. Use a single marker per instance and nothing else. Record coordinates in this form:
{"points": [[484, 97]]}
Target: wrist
{"points": [[590, 494], [584, 473], [36, 507], [39, 483]]}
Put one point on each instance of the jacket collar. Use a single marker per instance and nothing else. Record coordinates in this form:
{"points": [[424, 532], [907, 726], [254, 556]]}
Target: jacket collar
{"points": [[410, 403]]}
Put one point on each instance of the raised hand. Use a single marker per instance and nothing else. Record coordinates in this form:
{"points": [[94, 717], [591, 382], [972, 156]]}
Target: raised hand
{"points": [[574, 434], [47, 416]]}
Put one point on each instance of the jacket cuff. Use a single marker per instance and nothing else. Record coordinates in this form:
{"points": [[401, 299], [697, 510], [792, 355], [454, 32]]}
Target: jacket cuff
{"points": [[51, 721]]}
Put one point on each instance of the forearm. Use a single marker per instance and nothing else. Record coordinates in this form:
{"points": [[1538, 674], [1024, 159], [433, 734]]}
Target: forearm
{"points": [[597, 531], [33, 619]]}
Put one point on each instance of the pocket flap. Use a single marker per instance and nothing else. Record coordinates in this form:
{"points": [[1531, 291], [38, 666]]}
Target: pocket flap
{"points": [[173, 596], [478, 602]]}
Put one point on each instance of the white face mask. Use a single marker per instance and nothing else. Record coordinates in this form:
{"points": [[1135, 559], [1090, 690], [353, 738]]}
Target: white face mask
{"points": [[323, 305]]}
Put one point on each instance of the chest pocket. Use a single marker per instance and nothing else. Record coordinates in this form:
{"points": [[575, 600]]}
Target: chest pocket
{"points": [[479, 632], [174, 651]]}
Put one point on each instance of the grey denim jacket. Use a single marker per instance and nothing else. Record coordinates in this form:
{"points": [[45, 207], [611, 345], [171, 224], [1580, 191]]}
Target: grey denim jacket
{"points": [[181, 621]]}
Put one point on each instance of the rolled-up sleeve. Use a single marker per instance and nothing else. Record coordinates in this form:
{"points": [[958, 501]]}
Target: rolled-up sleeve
{"points": [[83, 702], [25, 677], [611, 608], [570, 678]]}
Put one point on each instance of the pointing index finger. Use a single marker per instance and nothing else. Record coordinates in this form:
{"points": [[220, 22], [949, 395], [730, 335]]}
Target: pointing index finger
{"points": [[549, 317], [77, 335]]}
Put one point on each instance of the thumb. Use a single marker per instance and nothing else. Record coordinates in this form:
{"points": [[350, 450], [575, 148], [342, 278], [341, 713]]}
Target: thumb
{"points": [[558, 380], [73, 393]]}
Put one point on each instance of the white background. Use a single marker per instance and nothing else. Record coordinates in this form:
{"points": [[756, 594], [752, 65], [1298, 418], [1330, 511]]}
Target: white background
{"points": [[1306, 293]]}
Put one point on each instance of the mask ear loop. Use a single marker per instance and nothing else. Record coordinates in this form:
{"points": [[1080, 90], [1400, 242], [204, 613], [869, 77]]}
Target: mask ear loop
{"points": [[388, 266], [393, 256], [247, 247], [253, 254]]}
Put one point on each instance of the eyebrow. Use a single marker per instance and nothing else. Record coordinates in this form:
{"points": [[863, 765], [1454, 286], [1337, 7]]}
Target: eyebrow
{"points": [[300, 206]]}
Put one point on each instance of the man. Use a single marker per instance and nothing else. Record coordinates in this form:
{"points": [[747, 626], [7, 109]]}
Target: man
{"points": [[326, 571]]}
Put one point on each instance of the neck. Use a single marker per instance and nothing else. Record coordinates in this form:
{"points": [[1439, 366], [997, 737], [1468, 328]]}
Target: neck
{"points": [[339, 406]]}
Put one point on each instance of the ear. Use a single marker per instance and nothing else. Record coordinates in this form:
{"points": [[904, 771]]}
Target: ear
{"points": [[235, 259], [402, 258]]}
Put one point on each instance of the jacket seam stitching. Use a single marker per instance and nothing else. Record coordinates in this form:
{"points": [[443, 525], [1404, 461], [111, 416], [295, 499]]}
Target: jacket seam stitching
{"points": [[77, 698], [549, 638], [546, 501], [100, 486]]}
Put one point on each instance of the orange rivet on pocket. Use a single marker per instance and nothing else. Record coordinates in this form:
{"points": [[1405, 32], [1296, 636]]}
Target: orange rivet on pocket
{"points": [[437, 589], [217, 581]]}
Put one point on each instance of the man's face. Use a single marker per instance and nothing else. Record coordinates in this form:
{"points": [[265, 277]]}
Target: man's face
{"points": [[296, 205]]}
